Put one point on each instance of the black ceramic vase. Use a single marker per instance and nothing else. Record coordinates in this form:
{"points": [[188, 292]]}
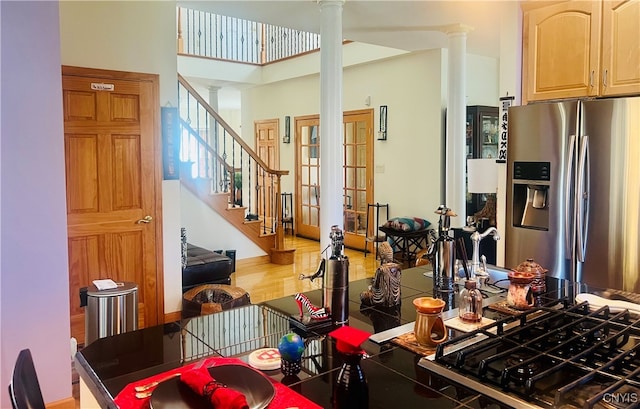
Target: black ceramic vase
{"points": [[352, 391]]}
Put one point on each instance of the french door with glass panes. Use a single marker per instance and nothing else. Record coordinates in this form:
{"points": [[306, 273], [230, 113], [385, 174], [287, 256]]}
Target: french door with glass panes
{"points": [[307, 176], [358, 175]]}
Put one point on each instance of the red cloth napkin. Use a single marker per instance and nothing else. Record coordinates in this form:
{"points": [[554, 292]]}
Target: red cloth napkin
{"points": [[285, 397], [221, 397]]}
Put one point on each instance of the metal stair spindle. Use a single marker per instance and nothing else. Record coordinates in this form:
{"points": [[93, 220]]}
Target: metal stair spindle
{"points": [[272, 201]]}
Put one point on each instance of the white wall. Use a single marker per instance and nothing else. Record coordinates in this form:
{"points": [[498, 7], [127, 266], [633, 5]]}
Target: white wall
{"points": [[482, 80], [407, 164], [413, 86], [309, 64], [206, 228], [122, 35], [34, 295], [132, 36]]}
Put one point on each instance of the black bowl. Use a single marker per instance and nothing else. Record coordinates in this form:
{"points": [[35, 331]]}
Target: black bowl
{"points": [[256, 387]]}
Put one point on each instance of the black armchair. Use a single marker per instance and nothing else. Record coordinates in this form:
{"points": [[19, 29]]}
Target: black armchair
{"points": [[205, 267]]}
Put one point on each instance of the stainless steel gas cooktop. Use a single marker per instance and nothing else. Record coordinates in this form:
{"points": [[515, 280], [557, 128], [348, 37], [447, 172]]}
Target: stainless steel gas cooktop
{"points": [[558, 356]]}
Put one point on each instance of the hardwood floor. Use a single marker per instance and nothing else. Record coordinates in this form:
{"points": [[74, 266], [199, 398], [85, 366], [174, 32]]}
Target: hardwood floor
{"points": [[265, 281]]}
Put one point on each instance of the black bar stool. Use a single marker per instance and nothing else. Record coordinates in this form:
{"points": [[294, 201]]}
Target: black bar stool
{"points": [[376, 237]]}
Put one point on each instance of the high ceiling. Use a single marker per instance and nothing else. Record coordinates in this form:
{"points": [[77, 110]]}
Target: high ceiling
{"points": [[405, 25]]}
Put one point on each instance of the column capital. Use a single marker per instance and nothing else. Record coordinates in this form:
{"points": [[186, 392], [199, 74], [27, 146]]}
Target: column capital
{"points": [[330, 2], [457, 28]]}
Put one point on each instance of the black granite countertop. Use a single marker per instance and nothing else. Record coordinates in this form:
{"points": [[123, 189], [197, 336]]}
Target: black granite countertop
{"points": [[394, 378]]}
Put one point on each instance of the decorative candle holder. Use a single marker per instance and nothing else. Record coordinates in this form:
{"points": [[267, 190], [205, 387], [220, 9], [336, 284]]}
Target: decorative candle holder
{"points": [[520, 295], [429, 328]]}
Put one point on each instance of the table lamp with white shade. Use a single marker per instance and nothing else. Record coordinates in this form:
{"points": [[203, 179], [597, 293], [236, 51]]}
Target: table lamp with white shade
{"points": [[482, 178]]}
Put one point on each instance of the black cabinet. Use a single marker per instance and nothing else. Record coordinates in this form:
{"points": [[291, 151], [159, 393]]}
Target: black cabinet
{"points": [[482, 142]]}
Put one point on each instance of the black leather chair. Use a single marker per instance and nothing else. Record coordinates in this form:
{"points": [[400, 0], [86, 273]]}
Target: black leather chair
{"points": [[205, 267], [24, 388]]}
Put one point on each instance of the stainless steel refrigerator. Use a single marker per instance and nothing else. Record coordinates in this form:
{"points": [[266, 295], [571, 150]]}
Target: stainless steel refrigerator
{"points": [[573, 190]]}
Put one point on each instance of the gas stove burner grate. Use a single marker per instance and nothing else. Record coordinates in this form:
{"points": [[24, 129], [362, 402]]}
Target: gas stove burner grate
{"points": [[525, 368], [586, 328], [559, 355]]}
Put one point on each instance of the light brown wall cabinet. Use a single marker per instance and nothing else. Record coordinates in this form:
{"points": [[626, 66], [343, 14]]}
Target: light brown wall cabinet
{"points": [[581, 49]]}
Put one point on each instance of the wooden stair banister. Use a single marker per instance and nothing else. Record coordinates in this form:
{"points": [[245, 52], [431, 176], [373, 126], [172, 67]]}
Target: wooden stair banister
{"points": [[214, 147], [229, 129]]}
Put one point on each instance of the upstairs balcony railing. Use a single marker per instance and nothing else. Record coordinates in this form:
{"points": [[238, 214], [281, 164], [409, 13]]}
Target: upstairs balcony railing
{"points": [[210, 35]]}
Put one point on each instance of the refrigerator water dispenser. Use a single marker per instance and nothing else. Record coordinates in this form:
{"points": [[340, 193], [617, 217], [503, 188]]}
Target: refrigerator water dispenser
{"points": [[531, 195], [536, 213]]}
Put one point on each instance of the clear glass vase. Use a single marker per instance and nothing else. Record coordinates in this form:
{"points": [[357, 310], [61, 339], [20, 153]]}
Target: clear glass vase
{"points": [[470, 308]]}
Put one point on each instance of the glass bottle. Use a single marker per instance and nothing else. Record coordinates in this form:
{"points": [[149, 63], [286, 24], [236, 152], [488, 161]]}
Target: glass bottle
{"points": [[470, 308], [352, 391]]}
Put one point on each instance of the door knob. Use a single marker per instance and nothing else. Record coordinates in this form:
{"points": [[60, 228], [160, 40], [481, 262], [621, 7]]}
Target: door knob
{"points": [[147, 219]]}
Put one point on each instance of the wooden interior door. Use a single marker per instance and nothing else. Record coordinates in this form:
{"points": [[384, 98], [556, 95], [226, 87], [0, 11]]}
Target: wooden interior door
{"points": [[307, 138], [113, 183], [358, 175], [267, 148]]}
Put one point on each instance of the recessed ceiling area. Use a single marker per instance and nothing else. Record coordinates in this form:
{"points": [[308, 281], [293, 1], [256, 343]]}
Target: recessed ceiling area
{"points": [[405, 25]]}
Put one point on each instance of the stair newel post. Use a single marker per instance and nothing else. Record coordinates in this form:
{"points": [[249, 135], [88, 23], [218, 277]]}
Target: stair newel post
{"points": [[279, 228], [263, 195], [273, 203], [233, 166], [241, 178], [249, 189], [225, 166]]}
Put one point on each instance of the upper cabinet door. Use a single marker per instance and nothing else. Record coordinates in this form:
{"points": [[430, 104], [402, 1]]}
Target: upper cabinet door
{"points": [[620, 47], [561, 46]]}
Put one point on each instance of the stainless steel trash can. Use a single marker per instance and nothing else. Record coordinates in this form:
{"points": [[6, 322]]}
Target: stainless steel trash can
{"points": [[110, 312]]}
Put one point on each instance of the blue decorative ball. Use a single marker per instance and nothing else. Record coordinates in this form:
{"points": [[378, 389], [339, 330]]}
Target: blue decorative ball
{"points": [[291, 347]]}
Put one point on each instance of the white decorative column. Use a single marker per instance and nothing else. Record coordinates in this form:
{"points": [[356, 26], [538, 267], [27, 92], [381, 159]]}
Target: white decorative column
{"points": [[213, 103], [456, 122], [213, 97], [331, 129], [510, 83]]}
